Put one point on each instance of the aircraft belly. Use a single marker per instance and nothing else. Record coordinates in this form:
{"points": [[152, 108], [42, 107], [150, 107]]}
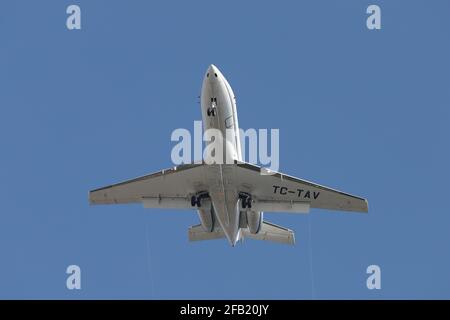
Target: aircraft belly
{"points": [[224, 198]]}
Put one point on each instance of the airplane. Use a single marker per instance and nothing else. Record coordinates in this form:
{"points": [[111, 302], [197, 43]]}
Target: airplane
{"points": [[230, 198]]}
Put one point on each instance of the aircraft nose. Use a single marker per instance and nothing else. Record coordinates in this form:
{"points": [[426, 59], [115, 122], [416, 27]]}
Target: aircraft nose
{"points": [[212, 72]]}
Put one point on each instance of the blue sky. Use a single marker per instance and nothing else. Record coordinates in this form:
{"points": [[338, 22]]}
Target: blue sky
{"points": [[362, 111]]}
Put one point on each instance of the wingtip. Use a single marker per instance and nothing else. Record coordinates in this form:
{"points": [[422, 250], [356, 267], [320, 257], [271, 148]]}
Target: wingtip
{"points": [[366, 206], [90, 198]]}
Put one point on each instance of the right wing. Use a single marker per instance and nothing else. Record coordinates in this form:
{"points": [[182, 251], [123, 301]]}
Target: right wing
{"points": [[168, 188]]}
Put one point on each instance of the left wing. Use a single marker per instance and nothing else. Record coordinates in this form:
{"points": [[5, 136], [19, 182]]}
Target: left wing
{"points": [[168, 188], [280, 192]]}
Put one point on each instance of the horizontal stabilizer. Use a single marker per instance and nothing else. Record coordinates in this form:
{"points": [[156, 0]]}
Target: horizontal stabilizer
{"points": [[197, 233], [271, 232]]}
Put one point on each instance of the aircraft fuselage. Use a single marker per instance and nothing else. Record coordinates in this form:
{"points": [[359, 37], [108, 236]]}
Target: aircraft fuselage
{"points": [[218, 106]]}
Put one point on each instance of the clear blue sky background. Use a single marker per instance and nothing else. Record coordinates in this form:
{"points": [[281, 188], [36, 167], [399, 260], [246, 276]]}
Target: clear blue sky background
{"points": [[362, 111]]}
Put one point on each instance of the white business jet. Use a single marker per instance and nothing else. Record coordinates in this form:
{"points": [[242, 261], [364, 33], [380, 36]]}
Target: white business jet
{"points": [[229, 196]]}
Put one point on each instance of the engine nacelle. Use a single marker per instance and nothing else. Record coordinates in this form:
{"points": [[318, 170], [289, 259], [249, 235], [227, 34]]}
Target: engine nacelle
{"points": [[206, 215], [254, 221]]}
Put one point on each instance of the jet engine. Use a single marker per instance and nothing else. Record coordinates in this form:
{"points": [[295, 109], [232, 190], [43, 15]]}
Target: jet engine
{"points": [[254, 221], [206, 215]]}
